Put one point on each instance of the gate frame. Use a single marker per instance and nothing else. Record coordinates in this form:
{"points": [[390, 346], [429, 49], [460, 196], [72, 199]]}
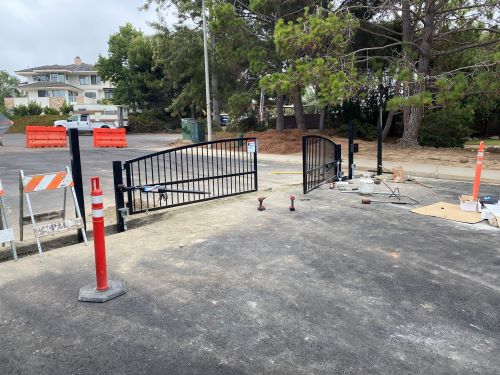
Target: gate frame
{"points": [[123, 208], [337, 162]]}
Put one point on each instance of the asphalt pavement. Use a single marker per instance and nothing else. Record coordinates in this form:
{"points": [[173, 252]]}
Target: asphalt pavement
{"points": [[336, 287]]}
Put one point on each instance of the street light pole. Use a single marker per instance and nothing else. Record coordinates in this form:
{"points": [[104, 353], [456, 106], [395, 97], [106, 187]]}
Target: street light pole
{"points": [[207, 76]]}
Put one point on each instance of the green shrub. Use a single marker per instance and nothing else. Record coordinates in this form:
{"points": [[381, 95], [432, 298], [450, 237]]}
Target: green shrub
{"points": [[362, 130], [20, 122], [152, 122], [50, 111], [34, 109], [66, 108], [448, 127], [21, 110]]}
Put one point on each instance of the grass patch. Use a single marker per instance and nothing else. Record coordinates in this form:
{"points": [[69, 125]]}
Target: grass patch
{"points": [[487, 142], [20, 122]]}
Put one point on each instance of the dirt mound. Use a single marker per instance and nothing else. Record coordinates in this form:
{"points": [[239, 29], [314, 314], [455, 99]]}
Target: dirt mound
{"points": [[273, 142]]}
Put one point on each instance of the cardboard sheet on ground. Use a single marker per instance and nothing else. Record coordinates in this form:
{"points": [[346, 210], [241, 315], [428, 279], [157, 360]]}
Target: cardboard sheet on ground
{"points": [[449, 211]]}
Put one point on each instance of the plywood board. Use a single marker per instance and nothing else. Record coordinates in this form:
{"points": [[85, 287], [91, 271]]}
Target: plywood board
{"points": [[449, 211]]}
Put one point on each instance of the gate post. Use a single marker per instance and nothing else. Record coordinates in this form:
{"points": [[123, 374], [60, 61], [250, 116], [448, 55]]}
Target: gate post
{"points": [[338, 160], [351, 149], [255, 165], [379, 143], [304, 164], [119, 200], [76, 171]]}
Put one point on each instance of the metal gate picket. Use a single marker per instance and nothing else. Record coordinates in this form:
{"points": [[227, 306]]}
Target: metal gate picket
{"points": [[185, 175], [321, 162]]}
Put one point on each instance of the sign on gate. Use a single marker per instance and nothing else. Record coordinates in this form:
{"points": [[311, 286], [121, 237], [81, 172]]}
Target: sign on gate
{"points": [[46, 182]]}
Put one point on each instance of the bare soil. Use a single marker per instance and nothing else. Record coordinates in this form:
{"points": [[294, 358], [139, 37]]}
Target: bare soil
{"points": [[289, 142]]}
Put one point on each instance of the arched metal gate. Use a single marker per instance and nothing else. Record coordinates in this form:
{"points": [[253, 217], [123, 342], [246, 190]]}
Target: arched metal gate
{"points": [[321, 161], [185, 175]]}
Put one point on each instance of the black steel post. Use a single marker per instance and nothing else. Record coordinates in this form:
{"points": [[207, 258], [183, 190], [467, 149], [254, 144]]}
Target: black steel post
{"points": [[119, 200], [255, 165], [304, 164], [351, 149], [379, 143], [338, 160], [76, 171]]}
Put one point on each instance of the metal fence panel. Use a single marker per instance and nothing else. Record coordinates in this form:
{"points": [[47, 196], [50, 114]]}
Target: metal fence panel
{"points": [[321, 161], [191, 174]]}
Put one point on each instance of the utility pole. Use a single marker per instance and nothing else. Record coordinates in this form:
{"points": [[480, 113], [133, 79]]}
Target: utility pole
{"points": [[207, 75]]}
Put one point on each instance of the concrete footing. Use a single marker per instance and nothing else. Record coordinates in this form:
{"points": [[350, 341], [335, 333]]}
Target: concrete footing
{"points": [[88, 293]]}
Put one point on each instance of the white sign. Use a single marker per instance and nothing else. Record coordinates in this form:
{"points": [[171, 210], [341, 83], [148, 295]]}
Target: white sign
{"points": [[251, 147]]}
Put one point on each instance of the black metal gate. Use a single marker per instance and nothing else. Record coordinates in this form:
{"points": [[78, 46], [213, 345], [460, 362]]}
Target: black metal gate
{"points": [[321, 161], [185, 175]]}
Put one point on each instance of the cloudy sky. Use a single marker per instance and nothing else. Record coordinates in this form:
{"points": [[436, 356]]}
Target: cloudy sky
{"points": [[42, 32]]}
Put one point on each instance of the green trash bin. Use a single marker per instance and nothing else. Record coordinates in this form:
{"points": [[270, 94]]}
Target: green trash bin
{"points": [[186, 124], [197, 132]]}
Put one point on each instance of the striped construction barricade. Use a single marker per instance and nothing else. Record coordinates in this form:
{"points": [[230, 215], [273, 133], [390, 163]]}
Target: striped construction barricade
{"points": [[46, 182], [110, 137], [6, 231], [45, 136]]}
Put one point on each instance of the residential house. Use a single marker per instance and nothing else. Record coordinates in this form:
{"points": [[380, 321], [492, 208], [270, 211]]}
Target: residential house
{"points": [[52, 85]]}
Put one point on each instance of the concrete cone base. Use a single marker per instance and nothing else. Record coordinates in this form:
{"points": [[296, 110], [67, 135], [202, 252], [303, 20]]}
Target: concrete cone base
{"points": [[88, 293]]}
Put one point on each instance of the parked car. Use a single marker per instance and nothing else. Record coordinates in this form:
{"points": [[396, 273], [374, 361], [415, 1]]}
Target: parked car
{"points": [[83, 123], [224, 119]]}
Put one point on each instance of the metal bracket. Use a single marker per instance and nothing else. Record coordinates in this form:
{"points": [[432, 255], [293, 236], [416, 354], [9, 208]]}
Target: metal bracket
{"points": [[124, 215]]}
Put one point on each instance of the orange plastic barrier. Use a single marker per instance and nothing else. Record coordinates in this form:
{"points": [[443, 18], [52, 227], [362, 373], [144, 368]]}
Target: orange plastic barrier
{"points": [[45, 136], [110, 138]]}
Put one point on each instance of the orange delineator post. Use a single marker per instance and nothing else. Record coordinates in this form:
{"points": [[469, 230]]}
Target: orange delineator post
{"points": [[45, 136], [99, 242], [104, 289], [479, 167], [110, 137]]}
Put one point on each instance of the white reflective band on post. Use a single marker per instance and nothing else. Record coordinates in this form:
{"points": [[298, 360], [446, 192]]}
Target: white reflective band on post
{"points": [[480, 154], [95, 199], [97, 213]]}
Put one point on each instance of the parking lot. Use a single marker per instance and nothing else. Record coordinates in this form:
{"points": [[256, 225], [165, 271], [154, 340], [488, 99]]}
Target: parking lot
{"points": [[221, 288], [95, 162]]}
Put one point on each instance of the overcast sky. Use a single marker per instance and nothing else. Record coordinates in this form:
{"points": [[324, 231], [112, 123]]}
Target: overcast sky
{"points": [[43, 32]]}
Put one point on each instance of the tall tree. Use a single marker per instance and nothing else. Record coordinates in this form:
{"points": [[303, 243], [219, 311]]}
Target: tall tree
{"points": [[8, 87], [426, 25], [130, 67]]}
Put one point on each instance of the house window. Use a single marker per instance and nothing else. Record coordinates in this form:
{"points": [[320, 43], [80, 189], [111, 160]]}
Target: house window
{"points": [[50, 93], [84, 80], [108, 94], [91, 95], [41, 78], [72, 96], [95, 80]]}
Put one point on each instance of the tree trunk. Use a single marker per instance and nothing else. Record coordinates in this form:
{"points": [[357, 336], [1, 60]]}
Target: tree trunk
{"points": [[413, 115], [298, 108], [280, 113], [388, 124], [322, 115]]}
